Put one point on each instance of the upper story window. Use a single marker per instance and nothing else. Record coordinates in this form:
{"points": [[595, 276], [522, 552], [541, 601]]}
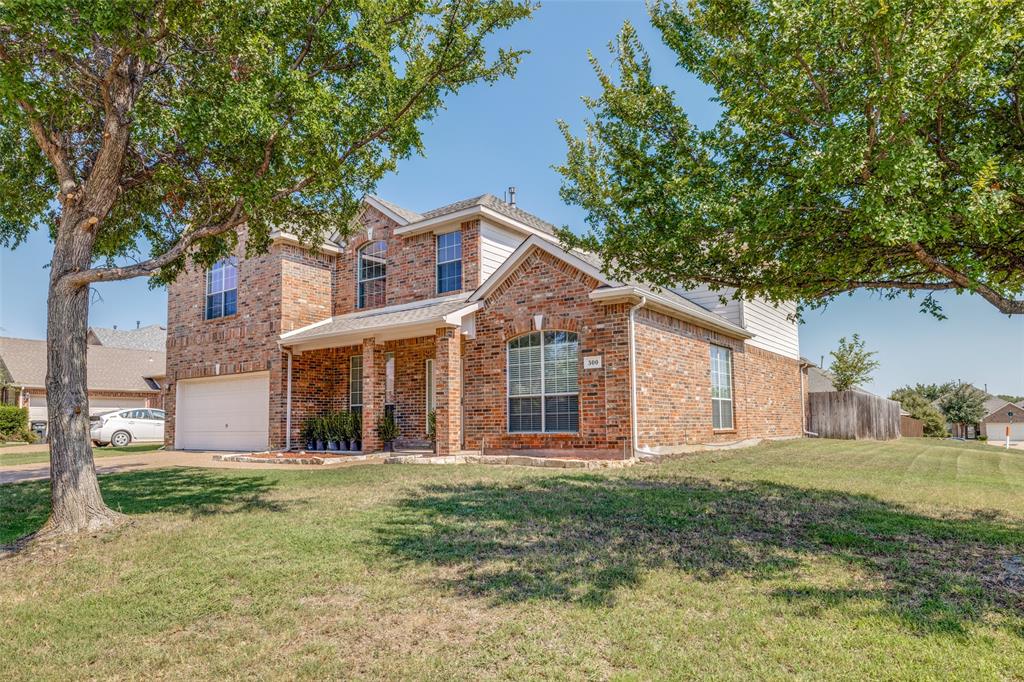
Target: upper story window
{"points": [[721, 388], [372, 275], [543, 383], [222, 289], [449, 262]]}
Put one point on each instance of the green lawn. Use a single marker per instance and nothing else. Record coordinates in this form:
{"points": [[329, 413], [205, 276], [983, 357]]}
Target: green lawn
{"points": [[43, 455], [811, 559]]}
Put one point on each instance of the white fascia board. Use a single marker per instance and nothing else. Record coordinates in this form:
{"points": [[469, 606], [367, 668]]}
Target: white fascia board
{"points": [[377, 204], [308, 326], [669, 307], [439, 223], [513, 261], [407, 330], [281, 237]]}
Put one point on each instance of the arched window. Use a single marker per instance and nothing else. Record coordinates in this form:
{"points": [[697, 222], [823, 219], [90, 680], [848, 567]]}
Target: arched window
{"points": [[373, 270], [543, 383]]}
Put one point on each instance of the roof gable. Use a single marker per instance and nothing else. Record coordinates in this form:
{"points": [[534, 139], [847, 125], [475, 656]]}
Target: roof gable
{"points": [[109, 369]]}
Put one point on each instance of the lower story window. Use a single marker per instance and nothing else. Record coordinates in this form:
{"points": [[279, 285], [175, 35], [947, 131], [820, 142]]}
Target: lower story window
{"points": [[543, 383], [721, 388], [355, 383]]}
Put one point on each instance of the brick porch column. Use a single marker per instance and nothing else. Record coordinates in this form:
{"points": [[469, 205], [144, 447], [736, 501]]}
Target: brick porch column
{"points": [[448, 390], [373, 393]]}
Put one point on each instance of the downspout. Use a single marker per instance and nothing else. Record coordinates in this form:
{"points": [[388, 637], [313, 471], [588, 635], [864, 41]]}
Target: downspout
{"points": [[288, 407], [803, 404], [632, 378]]}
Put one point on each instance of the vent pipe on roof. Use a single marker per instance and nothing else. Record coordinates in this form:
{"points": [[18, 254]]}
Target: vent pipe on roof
{"points": [[137, 323], [511, 195]]}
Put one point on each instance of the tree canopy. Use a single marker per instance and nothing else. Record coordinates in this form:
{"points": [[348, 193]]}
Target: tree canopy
{"points": [[920, 407], [963, 405], [207, 115], [852, 364], [862, 144]]}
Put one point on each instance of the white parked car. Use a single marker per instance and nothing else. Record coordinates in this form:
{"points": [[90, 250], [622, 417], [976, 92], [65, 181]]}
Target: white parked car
{"points": [[124, 426]]}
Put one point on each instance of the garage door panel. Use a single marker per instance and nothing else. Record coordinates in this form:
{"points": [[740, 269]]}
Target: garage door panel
{"points": [[226, 413], [998, 431]]}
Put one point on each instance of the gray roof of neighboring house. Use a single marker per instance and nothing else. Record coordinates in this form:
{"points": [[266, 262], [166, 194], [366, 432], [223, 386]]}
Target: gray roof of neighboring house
{"points": [[109, 369], [820, 381], [411, 216], [379, 318], [150, 337]]}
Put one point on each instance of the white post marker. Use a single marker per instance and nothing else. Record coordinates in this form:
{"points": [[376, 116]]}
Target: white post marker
{"points": [[1009, 413]]}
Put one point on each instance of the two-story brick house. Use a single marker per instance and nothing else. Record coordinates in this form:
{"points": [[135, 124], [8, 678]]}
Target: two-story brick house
{"points": [[473, 311]]}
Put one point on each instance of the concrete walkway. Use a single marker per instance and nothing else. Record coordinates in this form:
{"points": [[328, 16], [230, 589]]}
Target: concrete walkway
{"points": [[156, 459]]}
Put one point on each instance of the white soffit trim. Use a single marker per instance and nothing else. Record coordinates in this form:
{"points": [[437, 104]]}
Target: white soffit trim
{"points": [[513, 261], [669, 307], [380, 206], [281, 237]]}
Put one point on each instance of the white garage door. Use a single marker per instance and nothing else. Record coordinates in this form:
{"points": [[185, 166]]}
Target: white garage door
{"points": [[223, 413], [998, 431]]}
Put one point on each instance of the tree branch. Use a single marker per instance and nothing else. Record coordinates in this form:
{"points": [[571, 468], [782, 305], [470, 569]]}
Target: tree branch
{"points": [[1002, 303]]}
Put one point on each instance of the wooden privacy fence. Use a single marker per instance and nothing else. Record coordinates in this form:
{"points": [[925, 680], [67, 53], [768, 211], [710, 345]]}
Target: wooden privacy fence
{"points": [[910, 427], [851, 414]]}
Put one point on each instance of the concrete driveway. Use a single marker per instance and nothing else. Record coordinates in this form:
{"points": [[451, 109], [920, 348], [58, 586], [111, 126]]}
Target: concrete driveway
{"points": [[155, 459]]}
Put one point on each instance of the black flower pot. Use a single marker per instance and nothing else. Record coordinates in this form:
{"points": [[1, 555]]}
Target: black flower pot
{"points": [[345, 444], [357, 445], [332, 445], [389, 446], [311, 445], [319, 445]]}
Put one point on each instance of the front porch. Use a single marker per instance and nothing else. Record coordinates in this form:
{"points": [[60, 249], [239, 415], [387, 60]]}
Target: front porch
{"points": [[403, 360]]}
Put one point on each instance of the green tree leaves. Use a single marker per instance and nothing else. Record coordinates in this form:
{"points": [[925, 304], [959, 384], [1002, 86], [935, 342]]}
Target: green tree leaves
{"points": [[852, 364], [861, 145]]}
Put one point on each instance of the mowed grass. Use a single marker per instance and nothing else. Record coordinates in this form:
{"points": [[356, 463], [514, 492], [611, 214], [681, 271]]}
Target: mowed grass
{"points": [[810, 559], [43, 455]]}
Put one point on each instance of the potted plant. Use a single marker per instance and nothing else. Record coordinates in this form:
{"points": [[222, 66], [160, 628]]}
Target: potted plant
{"points": [[345, 429], [309, 433], [387, 429], [333, 431], [357, 431], [321, 433], [432, 429]]}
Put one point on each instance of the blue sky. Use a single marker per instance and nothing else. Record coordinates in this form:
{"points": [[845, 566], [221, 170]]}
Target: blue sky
{"points": [[491, 137]]}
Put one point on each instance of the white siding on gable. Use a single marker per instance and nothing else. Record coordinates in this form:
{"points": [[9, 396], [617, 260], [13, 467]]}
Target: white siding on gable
{"points": [[706, 298], [773, 328], [496, 245]]}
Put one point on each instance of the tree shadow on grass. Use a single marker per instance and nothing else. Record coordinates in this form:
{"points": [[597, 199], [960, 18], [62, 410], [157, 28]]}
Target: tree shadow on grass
{"points": [[24, 507], [579, 538]]}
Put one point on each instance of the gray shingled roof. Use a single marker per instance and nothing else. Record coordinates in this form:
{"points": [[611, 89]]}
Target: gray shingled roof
{"points": [[495, 204], [150, 337], [379, 318], [109, 369], [409, 215]]}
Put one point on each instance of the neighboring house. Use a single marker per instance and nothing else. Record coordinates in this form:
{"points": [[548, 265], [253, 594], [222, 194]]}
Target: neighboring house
{"points": [[151, 337], [820, 380], [992, 404], [118, 377], [475, 312], [1007, 416]]}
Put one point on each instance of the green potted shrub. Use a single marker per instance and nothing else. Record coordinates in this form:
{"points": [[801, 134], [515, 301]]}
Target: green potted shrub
{"points": [[320, 427], [387, 429], [345, 429], [309, 433], [357, 431], [432, 429], [333, 431]]}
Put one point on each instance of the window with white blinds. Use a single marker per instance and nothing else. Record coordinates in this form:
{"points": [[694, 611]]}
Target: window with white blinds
{"points": [[721, 388], [543, 383]]}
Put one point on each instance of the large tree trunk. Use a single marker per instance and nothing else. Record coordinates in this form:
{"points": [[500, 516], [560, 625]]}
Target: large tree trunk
{"points": [[77, 504]]}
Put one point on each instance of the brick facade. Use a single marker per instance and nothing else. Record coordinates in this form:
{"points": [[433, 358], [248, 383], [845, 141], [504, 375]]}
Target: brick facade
{"points": [[290, 287], [674, 386]]}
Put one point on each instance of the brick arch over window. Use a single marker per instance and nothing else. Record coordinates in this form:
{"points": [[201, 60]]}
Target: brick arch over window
{"points": [[526, 323]]}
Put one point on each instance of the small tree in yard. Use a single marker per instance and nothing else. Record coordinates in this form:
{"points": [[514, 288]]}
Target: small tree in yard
{"points": [[863, 144], [920, 407], [962, 406], [852, 365], [142, 134]]}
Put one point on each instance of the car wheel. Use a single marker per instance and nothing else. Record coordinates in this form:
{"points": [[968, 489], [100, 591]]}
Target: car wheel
{"points": [[120, 439]]}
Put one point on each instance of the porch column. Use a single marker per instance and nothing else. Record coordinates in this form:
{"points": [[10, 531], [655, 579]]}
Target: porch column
{"points": [[373, 393], [448, 390]]}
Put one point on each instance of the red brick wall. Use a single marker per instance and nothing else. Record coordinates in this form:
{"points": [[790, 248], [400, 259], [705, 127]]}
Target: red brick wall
{"points": [[545, 285], [1002, 416], [412, 263], [674, 386]]}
